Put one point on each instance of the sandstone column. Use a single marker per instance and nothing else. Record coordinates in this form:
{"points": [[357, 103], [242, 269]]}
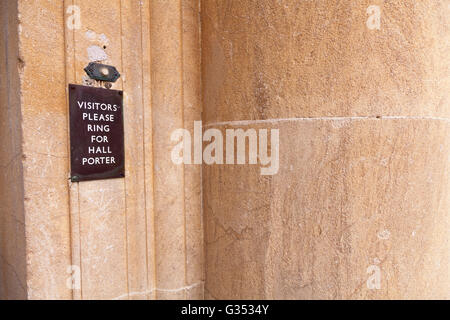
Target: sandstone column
{"points": [[363, 117]]}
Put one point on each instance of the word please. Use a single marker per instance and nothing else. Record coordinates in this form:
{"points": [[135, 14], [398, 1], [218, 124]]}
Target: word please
{"points": [[214, 152], [98, 117]]}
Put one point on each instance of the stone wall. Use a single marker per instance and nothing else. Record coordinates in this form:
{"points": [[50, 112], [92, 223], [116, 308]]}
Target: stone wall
{"points": [[138, 237], [359, 207], [12, 218]]}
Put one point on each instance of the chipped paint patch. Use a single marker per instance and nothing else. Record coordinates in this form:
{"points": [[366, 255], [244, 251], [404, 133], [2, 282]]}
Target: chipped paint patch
{"points": [[96, 54], [103, 39], [384, 235], [90, 35]]}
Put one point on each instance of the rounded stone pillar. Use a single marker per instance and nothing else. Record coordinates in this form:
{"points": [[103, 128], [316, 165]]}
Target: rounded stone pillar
{"points": [[359, 207]]}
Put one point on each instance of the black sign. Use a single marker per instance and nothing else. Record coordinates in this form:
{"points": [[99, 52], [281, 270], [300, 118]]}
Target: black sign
{"points": [[96, 133]]}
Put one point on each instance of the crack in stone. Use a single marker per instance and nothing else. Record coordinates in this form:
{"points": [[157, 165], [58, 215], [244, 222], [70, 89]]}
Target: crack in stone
{"points": [[136, 293]]}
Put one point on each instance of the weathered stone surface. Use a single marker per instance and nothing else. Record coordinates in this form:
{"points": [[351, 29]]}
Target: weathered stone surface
{"points": [[350, 194], [102, 233], [167, 102], [355, 194], [272, 59], [12, 220], [353, 191], [45, 146], [192, 111], [175, 104]]}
